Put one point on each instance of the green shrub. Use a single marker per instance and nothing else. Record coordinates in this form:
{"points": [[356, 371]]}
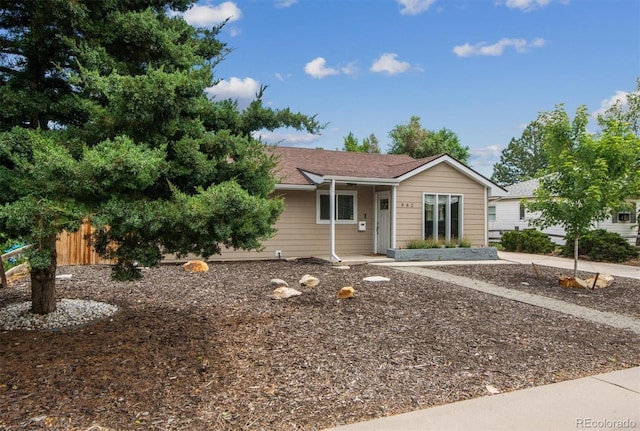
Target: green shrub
{"points": [[511, 241], [534, 241], [464, 243], [435, 243], [527, 241], [423, 243], [601, 245]]}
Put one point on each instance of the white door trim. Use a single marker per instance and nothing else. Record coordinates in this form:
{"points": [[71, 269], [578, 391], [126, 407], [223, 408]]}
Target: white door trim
{"points": [[378, 196]]}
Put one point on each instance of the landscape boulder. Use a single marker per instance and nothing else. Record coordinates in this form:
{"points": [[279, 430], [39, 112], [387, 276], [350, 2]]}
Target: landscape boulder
{"points": [[346, 292], [603, 280], [572, 283], [284, 293], [309, 281], [375, 279], [196, 266], [278, 282]]}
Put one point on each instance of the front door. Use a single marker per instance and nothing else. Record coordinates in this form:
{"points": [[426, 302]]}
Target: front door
{"points": [[382, 222]]}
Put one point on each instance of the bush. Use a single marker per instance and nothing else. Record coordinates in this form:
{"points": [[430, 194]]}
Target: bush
{"points": [[434, 243], [601, 245], [534, 241], [511, 240], [423, 243], [527, 241]]}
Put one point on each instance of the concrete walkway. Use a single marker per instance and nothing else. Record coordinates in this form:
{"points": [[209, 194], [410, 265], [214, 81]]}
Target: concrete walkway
{"points": [[609, 401], [606, 318], [506, 258]]}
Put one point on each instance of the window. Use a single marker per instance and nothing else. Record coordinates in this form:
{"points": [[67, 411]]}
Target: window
{"points": [[523, 211], [625, 215], [345, 210], [442, 216], [492, 213]]}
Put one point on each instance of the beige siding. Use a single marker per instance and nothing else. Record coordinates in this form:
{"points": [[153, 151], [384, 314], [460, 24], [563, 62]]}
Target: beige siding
{"points": [[440, 179], [300, 236]]}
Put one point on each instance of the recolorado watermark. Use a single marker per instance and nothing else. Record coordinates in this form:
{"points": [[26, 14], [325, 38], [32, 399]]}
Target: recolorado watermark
{"points": [[590, 423]]}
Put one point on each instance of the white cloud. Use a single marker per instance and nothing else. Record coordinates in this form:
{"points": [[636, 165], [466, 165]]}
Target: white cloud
{"points": [[414, 7], [520, 45], [528, 5], [619, 98], [483, 159], [350, 69], [318, 68], [235, 88], [285, 138], [208, 16], [285, 3], [387, 63]]}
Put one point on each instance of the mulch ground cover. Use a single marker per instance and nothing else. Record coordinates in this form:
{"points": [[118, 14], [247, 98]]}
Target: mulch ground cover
{"points": [[203, 351]]}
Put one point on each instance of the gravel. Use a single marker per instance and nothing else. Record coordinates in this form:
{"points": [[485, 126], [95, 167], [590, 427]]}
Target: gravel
{"points": [[69, 312]]}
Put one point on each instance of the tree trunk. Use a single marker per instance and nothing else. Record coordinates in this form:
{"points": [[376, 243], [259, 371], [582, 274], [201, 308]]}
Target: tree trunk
{"points": [[575, 256], [43, 282]]}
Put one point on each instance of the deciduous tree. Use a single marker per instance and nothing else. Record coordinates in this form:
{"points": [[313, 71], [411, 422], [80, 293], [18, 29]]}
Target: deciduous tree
{"points": [[627, 111], [417, 142], [105, 116], [587, 177]]}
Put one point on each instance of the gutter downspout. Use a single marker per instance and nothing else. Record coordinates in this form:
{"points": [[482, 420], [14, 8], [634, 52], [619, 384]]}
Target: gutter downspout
{"points": [[394, 218], [486, 217], [332, 221]]}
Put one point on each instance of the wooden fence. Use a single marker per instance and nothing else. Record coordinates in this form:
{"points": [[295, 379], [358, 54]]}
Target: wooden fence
{"points": [[74, 249]]}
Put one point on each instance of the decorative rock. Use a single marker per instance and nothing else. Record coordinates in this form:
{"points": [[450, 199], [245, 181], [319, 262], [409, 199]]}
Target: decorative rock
{"points": [[196, 266], [375, 278], [342, 267], [278, 282], [346, 292], [604, 280], [309, 280], [284, 293], [492, 389], [572, 283]]}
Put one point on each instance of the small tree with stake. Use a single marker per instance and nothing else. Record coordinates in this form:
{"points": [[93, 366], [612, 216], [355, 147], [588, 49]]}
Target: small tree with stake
{"points": [[105, 116], [588, 176]]}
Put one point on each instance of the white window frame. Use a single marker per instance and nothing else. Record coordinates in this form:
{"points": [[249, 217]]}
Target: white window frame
{"points": [[354, 194], [522, 212], [447, 222], [624, 217], [491, 213]]}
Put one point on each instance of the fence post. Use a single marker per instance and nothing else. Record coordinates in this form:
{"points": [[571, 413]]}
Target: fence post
{"points": [[3, 274]]}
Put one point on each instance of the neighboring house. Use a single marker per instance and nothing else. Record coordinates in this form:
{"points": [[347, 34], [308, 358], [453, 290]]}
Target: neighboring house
{"points": [[508, 213], [379, 201]]}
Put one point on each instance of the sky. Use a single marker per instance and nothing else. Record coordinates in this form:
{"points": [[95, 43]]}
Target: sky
{"points": [[481, 68]]}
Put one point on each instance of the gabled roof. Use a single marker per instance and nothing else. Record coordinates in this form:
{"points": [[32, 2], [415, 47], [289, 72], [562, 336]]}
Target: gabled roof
{"points": [[295, 163], [305, 167], [524, 189]]}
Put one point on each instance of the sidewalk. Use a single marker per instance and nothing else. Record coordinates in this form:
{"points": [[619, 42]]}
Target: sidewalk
{"points": [[608, 401]]}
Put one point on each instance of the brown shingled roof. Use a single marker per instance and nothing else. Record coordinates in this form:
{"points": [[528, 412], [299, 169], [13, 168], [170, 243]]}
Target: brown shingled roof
{"points": [[292, 161]]}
